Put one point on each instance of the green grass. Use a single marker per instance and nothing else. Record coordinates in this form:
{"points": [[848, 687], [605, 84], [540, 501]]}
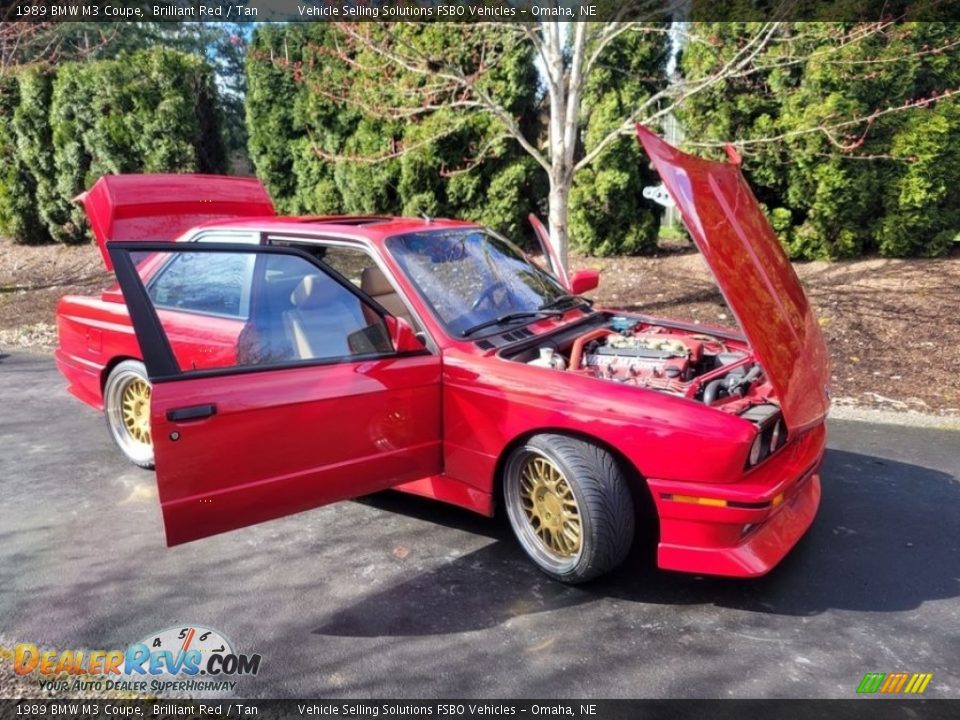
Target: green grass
{"points": [[670, 232]]}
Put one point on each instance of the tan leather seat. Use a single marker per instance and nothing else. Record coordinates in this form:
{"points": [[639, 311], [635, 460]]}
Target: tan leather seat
{"points": [[375, 284], [323, 316]]}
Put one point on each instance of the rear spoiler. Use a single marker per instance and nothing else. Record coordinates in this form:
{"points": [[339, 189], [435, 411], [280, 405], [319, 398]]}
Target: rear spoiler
{"points": [[163, 207]]}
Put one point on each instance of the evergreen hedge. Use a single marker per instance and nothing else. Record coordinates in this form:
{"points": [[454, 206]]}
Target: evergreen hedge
{"points": [[608, 213], [889, 186], [150, 111], [313, 150], [18, 210]]}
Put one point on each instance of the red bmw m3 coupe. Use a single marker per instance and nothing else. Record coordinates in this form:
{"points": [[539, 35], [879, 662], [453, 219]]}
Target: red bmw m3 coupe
{"points": [[267, 365]]}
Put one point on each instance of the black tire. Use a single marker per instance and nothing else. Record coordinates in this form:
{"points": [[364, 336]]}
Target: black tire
{"points": [[130, 436], [543, 519]]}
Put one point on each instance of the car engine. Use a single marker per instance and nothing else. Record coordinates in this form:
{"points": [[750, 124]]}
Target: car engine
{"points": [[645, 358], [699, 366]]}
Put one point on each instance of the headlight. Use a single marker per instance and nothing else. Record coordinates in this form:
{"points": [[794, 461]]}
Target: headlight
{"points": [[756, 449], [771, 432], [776, 435]]}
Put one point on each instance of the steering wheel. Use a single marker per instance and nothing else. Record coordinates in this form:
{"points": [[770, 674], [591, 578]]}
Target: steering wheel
{"points": [[487, 295]]}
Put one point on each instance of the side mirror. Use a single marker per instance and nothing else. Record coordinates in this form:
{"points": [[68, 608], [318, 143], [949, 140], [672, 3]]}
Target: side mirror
{"points": [[402, 336], [584, 281]]}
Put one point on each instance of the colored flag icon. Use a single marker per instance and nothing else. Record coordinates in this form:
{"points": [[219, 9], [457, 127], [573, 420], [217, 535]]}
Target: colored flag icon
{"points": [[894, 683]]}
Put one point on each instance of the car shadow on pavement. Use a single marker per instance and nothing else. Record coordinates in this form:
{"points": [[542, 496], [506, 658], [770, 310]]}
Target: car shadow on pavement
{"points": [[886, 539], [882, 541]]}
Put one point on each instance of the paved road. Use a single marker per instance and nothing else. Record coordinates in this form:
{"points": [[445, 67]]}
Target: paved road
{"points": [[396, 596]]}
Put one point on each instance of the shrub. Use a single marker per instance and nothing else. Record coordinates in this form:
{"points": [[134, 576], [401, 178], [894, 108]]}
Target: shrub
{"points": [[322, 141], [149, 111], [890, 185], [18, 212], [31, 125]]}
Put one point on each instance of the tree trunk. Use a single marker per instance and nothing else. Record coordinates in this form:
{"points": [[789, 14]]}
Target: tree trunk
{"points": [[565, 84], [557, 220]]}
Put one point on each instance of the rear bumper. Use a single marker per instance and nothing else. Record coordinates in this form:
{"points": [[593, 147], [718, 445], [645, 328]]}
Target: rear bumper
{"points": [[83, 378], [749, 526]]}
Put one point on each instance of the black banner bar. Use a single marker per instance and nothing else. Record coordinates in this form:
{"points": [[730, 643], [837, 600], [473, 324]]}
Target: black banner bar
{"points": [[874, 708], [472, 10]]}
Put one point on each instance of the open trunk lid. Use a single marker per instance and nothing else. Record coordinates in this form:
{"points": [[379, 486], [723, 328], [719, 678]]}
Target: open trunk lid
{"points": [[162, 207], [753, 273]]}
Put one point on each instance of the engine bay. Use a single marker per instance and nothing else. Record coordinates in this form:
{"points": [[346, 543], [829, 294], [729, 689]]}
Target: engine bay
{"points": [[710, 368]]}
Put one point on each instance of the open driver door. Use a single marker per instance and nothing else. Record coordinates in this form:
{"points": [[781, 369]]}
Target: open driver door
{"points": [[327, 397]]}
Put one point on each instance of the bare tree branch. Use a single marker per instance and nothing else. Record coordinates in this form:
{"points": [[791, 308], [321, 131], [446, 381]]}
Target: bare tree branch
{"points": [[830, 131], [741, 59], [569, 54], [398, 150], [24, 44], [452, 74]]}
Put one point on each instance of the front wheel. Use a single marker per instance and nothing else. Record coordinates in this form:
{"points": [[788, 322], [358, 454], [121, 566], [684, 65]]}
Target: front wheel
{"points": [[569, 506], [126, 403]]}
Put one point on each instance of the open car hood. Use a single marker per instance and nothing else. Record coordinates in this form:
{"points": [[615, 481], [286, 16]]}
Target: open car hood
{"points": [[162, 207], [753, 273]]}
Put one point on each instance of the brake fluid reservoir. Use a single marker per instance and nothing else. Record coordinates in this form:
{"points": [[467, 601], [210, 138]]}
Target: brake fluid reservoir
{"points": [[549, 359]]}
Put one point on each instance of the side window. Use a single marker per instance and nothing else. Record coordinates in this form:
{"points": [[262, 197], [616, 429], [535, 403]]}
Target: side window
{"points": [[301, 313], [295, 311], [190, 282], [349, 262], [357, 266]]}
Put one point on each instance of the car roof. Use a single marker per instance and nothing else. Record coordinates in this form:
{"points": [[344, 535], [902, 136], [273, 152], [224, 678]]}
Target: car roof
{"points": [[372, 227]]}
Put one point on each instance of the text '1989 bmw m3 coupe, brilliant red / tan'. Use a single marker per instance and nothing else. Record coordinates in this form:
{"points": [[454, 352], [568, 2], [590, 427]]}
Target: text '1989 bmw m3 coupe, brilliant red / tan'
{"points": [[267, 365]]}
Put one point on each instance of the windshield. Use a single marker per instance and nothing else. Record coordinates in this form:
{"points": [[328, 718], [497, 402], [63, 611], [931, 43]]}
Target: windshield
{"points": [[471, 276]]}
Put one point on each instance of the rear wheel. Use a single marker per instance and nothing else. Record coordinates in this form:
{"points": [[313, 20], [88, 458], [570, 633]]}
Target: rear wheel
{"points": [[126, 400], [569, 506]]}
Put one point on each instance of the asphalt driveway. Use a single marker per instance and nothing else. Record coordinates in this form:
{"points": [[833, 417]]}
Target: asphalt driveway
{"points": [[395, 596]]}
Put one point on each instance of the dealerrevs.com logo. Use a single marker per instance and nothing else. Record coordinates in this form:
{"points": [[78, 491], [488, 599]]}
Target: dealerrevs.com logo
{"points": [[179, 659]]}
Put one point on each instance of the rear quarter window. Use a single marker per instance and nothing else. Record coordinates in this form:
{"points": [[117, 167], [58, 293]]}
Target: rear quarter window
{"points": [[191, 284]]}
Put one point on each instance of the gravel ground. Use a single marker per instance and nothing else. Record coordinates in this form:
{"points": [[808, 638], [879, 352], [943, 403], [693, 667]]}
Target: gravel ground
{"points": [[895, 417]]}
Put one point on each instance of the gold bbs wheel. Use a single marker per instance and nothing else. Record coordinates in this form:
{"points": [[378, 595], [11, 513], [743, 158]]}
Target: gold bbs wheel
{"points": [[126, 399], [550, 506], [569, 506], [135, 410]]}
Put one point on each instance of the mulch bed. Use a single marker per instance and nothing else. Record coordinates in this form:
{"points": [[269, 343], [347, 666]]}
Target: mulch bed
{"points": [[892, 325]]}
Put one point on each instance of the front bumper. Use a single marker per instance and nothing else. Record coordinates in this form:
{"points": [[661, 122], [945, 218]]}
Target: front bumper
{"points": [[743, 529]]}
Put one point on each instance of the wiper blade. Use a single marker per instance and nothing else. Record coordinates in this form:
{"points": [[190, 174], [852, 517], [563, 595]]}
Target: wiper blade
{"points": [[563, 300], [518, 315]]}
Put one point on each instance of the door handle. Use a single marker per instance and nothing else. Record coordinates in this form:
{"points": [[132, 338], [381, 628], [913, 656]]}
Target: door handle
{"points": [[194, 412]]}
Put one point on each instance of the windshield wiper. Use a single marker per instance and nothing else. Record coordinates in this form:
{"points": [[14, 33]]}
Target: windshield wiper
{"points": [[563, 300], [518, 315]]}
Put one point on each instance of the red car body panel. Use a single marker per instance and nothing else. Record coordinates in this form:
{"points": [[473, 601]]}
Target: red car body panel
{"points": [[753, 273], [441, 424], [95, 334]]}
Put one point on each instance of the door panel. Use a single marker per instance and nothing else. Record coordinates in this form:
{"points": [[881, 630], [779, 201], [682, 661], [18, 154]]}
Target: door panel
{"points": [[202, 341], [328, 411], [287, 440], [553, 258]]}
